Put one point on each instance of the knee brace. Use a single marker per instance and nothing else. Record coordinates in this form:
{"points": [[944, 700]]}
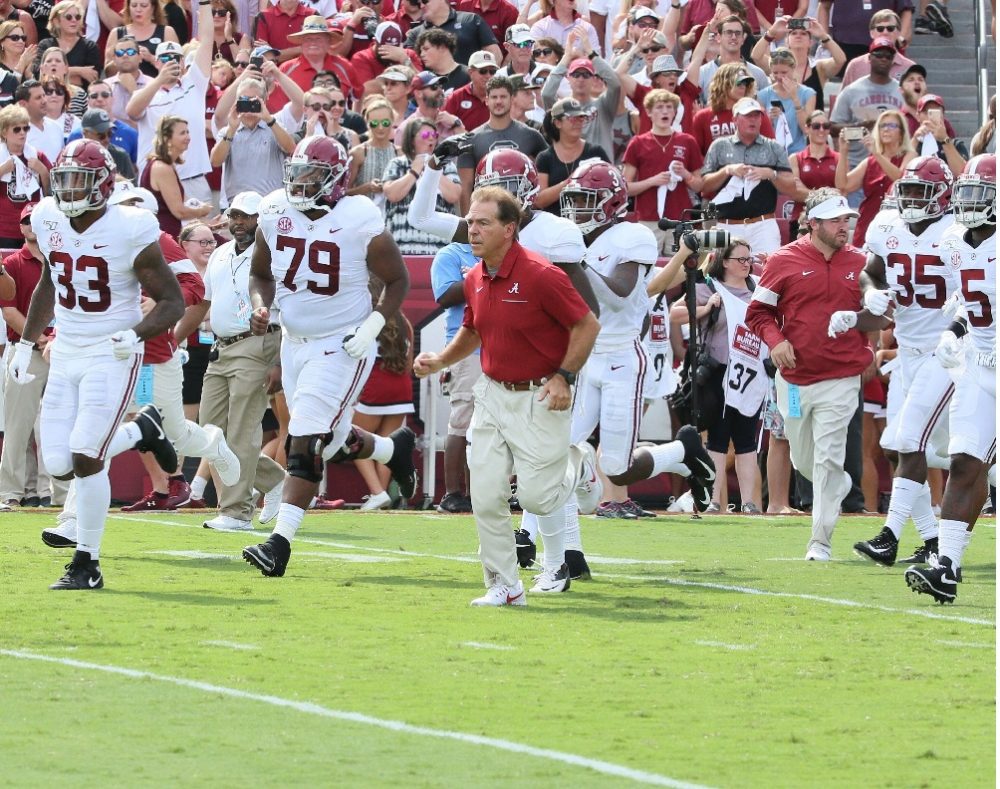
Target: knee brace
{"points": [[351, 448], [307, 465]]}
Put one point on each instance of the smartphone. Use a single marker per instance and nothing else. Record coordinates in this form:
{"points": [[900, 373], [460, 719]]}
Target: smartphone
{"points": [[257, 62], [854, 133], [798, 24], [247, 104], [777, 105], [935, 113]]}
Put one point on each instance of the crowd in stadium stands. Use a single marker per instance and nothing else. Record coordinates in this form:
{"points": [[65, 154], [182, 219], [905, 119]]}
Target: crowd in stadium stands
{"points": [[749, 105]]}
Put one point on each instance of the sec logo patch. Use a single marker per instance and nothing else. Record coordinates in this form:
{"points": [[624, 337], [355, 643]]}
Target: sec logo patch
{"points": [[285, 224], [55, 241], [892, 242]]}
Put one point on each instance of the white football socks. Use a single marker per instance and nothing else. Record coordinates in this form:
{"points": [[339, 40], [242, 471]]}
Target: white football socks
{"points": [[668, 457], [553, 529], [382, 452], [904, 494], [573, 539], [953, 536], [125, 438], [93, 497], [289, 519], [198, 486], [529, 522], [923, 515]]}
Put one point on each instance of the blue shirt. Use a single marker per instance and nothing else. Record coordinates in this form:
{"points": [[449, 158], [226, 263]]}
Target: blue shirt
{"points": [[450, 265], [122, 135], [766, 96]]}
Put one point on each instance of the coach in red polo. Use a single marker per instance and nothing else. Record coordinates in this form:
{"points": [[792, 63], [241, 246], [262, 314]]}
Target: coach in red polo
{"points": [[535, 333]]}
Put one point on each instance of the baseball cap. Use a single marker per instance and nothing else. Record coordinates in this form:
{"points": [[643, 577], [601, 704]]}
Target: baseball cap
{"points": [[832, 208], [394, 75], [518, 34], [641, 12], [424, 80], [581, 64], [525, 82], [746, 105], [246, 203], [169, 48], [312, 24], [881, 42], [96, 120], [26, 211], [568, 108], [259, 52], [388, 33], [482, 59], [929, 98], [743, 76], [665, 64], [913, 68], [126, 191]]}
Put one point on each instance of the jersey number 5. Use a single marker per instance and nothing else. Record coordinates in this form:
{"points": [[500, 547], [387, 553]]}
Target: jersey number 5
{"points": [[985, 316], [324, 260], [68, 297]]}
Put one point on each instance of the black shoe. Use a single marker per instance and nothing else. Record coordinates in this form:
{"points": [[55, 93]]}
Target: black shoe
{"points": [[455, 503], [81, 573], [922, 554], [526, 550], [270, 557], [636, 509], [937, 15], [401, 463], [30, 501], [937, 579], [702, 467], [923, 26], [154, 439], [881, 549], [579, 570]]}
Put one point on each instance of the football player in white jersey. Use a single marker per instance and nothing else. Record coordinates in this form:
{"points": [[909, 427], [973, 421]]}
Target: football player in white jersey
{"points": [[904, 268], [315, 250], [98, 256], [969, 251]]}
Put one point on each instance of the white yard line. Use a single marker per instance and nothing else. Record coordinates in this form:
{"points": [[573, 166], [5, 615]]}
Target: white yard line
{"points": [[965, 644], [231, 645], [723, 645], [483, 645], [606, 768]]}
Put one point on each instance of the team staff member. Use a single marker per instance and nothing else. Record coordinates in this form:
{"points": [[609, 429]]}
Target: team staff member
{"points": [[819, 378], [535, 332]]}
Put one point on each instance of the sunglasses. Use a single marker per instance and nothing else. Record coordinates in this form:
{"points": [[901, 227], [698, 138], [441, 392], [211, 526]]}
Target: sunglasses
{"points": [[384, 123], [541, 53], [889, 125], [488, 71], [219, 12], [885, 28], [169, 58], [524, 44], [123, 53], [435, 87], [16, 37], [241, 63], [819, 126], [648, 50], [317, 106], [428, 134], [882, 54], [100, 94], [19, 129], [72, 17], [581, 75], [55, 90], [371, 2]]}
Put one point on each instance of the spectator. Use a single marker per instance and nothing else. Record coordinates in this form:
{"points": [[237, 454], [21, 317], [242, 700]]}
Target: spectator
{"points": [[387, 397], [984, 140], [888, 152], [547, 51], [97, 125], [936, 137], [66, 26], [737, 385], [9, 13], [357, 32], [912, 85], [848, 22], [750, 169], [563, 125], [772, 10], [559, 20], [254, 145], [437, 53], [861, 103], [399, 185], [707, 12], [790, 102], [385, 51], [122, 136], [814, 166], [222, 75], [146, 23], [525, 106], [429, 95], [732, 34], [273, 79], [661, 166], [500, 15], [471, 31], [44, 134], [160, 176], [314, 40], [883, 24], [585, 67], [809, 72], [370, 159], [226, 38], [817, 376], [327, 120], [468, 103], [53, 68], [198, 242], [406, 15], [731, 84], [628, 26], [664, 74], [56, 107], [395, 84], [16, 55], [278, 25], [499, 131], [25, 173], [519, 44], [641, 58], [127, 79]]}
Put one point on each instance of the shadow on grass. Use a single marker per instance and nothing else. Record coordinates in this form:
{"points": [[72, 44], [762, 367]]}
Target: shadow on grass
{"points": [[189, 598]]}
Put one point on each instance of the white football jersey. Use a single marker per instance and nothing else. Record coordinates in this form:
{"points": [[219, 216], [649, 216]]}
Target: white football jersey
{"points": [[915, 274], [558, 240], [622, 317], [972, 272], [320, 266], [97, 292]]}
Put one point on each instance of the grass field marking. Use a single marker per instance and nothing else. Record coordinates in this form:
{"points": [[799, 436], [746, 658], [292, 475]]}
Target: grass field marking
{"points": [[723, 645], [483, 645], [965, 644], [357, 558], [226, 557], [606, 768], [231, 645]]}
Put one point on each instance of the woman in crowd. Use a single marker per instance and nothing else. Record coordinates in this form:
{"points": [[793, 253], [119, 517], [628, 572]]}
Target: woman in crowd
{"points": [[332, 104], [16, 55], [23, 171], [556, 19], [984, 140], [54, 68], [399, 182], [160, 176], [796, 100], [370, 159], [727, 268], [547, 51], [225, 30], [67, 27], [145, 20], [729, 84], [563, 126], [808, 72], [57, 107], [814, 166], [387, 397], [889, 151]]}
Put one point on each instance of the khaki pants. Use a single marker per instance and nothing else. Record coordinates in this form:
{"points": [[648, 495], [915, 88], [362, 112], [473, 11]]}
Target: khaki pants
{"points": [[818, 443], [513, 433], [233, 398], [664, 238]]}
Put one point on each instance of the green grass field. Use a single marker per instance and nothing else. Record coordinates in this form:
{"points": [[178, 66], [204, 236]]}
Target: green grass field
{"points": [[703, 653]]}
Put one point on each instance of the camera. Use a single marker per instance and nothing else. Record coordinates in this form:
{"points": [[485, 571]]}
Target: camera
{"points": [[798, 24], [693, 216], [706, 239], [854, 133], [370, 25], [247, 104], [257, 62]]}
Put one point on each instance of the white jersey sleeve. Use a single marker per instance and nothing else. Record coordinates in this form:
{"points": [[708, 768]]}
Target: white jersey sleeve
{"points": [[553, 237]]}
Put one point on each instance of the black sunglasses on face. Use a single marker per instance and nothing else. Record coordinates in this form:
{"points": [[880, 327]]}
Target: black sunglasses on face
{"points": [[56, 90], [168, 58], [819, 126], [19, 129], [490, 71], [317, 107], [541, 53], [885, 28], [16, 37], [72, 17], [219, 12], [241, 63], [649, 50], [100, 94]]}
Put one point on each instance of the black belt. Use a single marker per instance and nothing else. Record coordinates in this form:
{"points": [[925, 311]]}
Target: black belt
{"points": [[225, 342]]}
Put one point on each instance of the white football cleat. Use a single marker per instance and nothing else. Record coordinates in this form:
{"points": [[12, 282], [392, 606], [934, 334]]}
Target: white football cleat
{"points": [[61, 536], [589, 488], [500, 595], [816, 554], [551, 581], [223, 458], [228, 523], [271, 504], [376, 501]]}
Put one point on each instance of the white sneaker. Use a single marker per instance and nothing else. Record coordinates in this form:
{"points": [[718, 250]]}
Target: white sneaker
{"points": [[377, 501], [61, 536], [500, 594], [271, 504], [554, 580], [589, 489], [222, 457], [227, 523], [816, 554]]}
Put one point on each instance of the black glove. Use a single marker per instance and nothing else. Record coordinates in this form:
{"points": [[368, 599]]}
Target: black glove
{"points": [[451, 148], [691, 241]]}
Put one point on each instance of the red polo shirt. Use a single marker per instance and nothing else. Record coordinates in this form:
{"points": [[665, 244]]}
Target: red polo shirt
{"points": [[522, 315], [275, 26], [499, 16], [814, 172], [161, 348], [464, 104], [25, 270], [367, 66], [798, 292], [301, 72]]}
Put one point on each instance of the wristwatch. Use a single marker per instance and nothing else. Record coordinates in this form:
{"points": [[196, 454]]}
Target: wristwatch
{"points": [[569, 377], [271, 122]]}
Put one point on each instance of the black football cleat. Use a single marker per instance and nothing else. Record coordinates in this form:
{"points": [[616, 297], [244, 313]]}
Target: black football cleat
{"points": [[270, 557], [697, 459], [576, 562], [881, 549], [154, 440], [401, 463], [82, 573], [526, 550], [937, 579], [922, 554]]}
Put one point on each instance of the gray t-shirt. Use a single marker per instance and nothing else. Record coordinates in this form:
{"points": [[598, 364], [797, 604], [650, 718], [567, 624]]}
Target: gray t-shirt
{"points": [[516, 135], [864, 100], [599, 130]]}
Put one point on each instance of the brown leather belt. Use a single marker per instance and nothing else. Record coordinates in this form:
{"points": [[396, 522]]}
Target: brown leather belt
{"points": [[522, 386], [749, 221], [225, 342]]}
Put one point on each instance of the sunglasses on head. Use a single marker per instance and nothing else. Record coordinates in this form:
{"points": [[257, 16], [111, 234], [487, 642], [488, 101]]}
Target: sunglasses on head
{"points": [[385, 123], [123, 53], [16, 37], [219, 12], [818, 126], [541, 53], [885, 28], [19, 129], [99, 94], [428, 134], [649, 50]]}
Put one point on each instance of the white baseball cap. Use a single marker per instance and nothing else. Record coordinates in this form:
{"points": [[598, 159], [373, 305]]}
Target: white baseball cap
{"points": [[246, 203], [126, 192], [832, 208], [482, 59], [746, 105]]}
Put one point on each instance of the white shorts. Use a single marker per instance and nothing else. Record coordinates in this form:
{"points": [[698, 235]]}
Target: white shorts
{"points": [[87, 394], [661, 380], [973, 414], [609, 392], [922, 416], [322, 383]]}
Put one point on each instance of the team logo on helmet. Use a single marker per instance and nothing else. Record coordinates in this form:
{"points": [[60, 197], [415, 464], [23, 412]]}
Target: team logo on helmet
{"points": [[511, 170], [924, 189]]}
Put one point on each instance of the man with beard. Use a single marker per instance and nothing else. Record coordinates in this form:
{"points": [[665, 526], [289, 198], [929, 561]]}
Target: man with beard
{"points": [[428, 93], [385, 51]]}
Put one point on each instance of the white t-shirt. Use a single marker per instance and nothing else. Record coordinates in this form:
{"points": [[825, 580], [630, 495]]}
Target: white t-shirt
{"points": [[187, 99], [49, 139]]}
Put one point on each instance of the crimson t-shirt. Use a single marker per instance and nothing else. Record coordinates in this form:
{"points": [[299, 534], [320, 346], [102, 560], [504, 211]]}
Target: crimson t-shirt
{"points": [[687, 91], [651, 154]]}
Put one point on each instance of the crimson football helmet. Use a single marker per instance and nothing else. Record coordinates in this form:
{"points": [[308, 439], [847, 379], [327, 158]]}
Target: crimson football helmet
{"points": [[511, 170], [975, 193], [83, 177], [594, 196], [924, 189], [316, 173]]}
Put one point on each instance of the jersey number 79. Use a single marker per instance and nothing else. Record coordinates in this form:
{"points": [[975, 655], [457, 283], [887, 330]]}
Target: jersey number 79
{"points": [[324, 261]]}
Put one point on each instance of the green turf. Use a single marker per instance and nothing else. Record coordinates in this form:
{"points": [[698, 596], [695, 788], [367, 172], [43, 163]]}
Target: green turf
{"points": [[674, 670]]}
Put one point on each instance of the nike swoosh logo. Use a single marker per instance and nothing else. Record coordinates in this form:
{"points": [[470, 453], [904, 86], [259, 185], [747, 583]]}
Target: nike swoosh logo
{"points": [[616, 367], [603, 257], [990, 260], [328, 353], [708, 470], [162, 435], [479, 289], [335, 230], [807, 273], [512, 598], [94, 581], [100, 246]]}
